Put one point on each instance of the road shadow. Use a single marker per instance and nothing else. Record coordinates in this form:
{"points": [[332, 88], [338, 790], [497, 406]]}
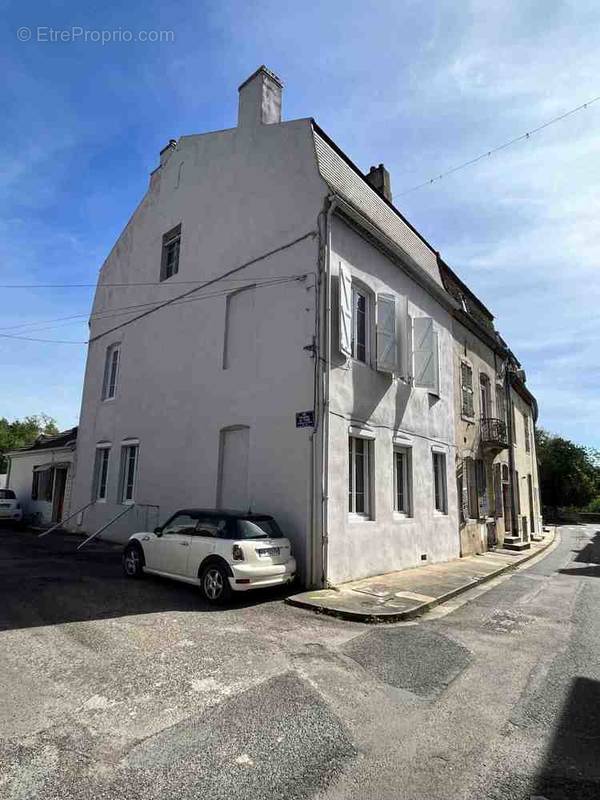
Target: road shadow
{"points": [[571, 769], [47, 582], [588, 555]]}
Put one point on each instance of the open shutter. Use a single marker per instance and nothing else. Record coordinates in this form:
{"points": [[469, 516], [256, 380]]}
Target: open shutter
{"points": [[345, 286], [424, 356], [482, 498], [387, 359], [436, 363]]}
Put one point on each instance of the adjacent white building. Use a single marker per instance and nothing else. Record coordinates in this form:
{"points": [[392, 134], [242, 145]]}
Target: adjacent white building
{"points": [[269, 332], [41, 475]]}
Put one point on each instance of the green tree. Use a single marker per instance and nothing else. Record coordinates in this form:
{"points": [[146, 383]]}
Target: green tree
{"points": [[22, 432], [569, 473]]}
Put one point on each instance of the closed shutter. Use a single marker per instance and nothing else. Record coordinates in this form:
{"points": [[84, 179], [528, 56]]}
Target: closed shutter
{"points": [[425, 359], [345, 311], [482, 499], [498, 511], [386, 334], [466, 380], [463, 491]]}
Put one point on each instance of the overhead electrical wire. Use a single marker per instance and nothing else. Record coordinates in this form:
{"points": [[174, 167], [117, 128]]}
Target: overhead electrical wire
{"points": [[522, 137], [178, 299], [40, 325]]}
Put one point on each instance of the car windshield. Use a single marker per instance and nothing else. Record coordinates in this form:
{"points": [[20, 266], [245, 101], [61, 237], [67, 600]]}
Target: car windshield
{"points": [[7, 494], [258, 529]]}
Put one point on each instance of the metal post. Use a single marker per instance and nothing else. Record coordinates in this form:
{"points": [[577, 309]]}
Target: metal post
{"points": [[58, 524], [108, 524]]}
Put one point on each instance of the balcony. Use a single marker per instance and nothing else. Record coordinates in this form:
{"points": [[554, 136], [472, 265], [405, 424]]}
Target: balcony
{"points": [[493, 434]]}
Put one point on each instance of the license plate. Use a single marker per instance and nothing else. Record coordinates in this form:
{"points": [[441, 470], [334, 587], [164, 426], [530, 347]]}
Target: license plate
{"points": [[268, 551]]}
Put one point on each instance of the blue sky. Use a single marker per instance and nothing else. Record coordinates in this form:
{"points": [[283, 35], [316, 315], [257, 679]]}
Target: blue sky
{"points": [[421, 86]]}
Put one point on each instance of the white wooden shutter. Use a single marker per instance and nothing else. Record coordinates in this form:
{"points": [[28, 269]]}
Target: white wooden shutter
{"points": [[425, 366], [345, 311], [387, 358], [436, 362]]}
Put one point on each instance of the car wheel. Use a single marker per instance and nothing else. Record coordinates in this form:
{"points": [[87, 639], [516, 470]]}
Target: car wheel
{"points": [[133, 561], [215, 584]]}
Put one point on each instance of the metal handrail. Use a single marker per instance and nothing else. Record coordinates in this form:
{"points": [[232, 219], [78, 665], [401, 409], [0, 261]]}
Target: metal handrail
{"points": [[108, 524], [59, 524]]}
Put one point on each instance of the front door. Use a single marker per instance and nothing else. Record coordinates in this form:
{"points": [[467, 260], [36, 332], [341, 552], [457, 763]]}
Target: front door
{"points": [[58, 498]]}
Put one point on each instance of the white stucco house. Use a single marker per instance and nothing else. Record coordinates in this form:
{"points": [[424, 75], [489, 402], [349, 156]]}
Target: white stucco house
{"points": [[41, 475], [269, 332]]}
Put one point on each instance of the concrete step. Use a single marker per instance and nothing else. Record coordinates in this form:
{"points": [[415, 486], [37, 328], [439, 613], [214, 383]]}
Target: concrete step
{"points": [[514, 543]]}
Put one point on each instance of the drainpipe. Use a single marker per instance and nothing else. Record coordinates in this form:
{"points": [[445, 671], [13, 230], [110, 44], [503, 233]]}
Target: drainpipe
{"points": [[511, 459], [320, 539]]}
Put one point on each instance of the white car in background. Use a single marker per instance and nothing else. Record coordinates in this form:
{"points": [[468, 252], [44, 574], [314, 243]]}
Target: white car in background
{"points": [[10, 508], [220, 551]]}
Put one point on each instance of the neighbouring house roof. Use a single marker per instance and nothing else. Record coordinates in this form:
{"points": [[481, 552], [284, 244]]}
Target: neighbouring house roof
{"points": [[62, 439]]}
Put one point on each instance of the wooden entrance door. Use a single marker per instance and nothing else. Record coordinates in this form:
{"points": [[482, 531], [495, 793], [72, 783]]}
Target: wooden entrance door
{"points": [[58, 500]]}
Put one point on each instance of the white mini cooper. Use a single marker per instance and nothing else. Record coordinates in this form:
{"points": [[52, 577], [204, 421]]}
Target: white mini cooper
{"points": [[220, 551]]}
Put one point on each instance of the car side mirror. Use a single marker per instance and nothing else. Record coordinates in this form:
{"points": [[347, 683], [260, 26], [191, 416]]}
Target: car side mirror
{"points": [[158, 531]]}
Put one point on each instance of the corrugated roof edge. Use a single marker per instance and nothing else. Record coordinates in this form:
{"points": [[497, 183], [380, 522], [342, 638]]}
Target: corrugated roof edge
{"points": [[60, 440], [359, 172]]}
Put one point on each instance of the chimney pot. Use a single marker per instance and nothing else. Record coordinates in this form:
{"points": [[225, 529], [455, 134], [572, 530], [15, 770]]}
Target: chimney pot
{"points": [[379, 178], [260, 99]]}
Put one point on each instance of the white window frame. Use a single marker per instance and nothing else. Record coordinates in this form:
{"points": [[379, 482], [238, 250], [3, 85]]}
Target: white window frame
{"points": [[406, 454], [109, 384], [438, 458], [126, 447], [367, 445], [102, 451], [359, 291]]}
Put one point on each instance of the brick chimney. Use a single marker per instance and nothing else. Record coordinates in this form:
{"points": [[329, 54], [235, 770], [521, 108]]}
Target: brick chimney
{"points": [[260, 99], [379, 178]]}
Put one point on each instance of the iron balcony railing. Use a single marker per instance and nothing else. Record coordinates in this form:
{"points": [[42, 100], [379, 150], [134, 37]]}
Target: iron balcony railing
{"points": [[493, 432]]}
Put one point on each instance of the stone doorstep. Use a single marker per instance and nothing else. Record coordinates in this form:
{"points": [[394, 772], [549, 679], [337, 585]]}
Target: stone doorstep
{"points": [[407, 594]]}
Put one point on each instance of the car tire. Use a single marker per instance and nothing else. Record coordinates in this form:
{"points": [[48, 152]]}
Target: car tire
{"points": [[214, 584], [133, 561]]}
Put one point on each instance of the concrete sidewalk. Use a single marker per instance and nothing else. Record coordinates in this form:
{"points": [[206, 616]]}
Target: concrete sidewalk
{"points": [[404, 595]]}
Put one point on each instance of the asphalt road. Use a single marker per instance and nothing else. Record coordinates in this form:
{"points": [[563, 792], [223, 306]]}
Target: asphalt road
{"points": [[120, 689]]}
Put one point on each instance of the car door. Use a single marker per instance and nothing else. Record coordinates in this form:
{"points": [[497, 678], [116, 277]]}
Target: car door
{"points": [[170, 550], [204, 541]]}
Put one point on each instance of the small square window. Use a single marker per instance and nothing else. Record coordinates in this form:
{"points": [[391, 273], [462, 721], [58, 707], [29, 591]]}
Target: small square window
{"points": [[171, 246]]}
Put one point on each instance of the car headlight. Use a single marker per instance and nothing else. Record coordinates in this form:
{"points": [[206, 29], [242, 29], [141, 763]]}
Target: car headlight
{"points": [[237, 553]]}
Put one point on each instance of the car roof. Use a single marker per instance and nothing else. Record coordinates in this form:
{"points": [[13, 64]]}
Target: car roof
{"points": [[228, 513]]}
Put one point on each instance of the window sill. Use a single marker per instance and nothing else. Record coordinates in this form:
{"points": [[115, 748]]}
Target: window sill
{"points": [[440, 514], [466, 418], [401, 516], [127, 503], [109, 399], [360, 518]]}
